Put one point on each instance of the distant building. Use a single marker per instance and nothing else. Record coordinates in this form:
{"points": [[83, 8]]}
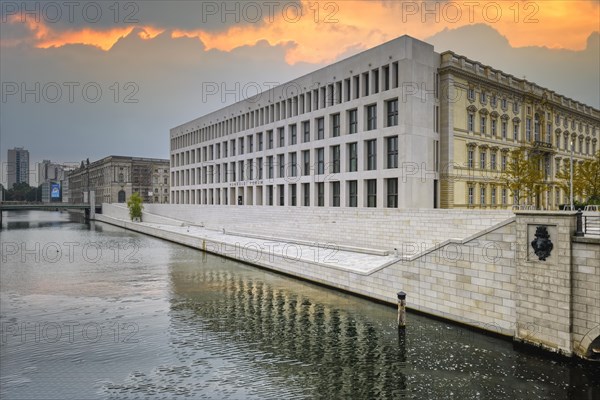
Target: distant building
{"points": [[17, 167], [115, 178], [49, 171]]}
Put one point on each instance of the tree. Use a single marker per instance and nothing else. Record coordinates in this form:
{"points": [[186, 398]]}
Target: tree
{"points": [[589, 178], [523, 175], [135, 206]]}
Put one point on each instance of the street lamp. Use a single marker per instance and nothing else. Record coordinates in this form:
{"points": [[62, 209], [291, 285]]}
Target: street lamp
{"points": [[571, 172]]}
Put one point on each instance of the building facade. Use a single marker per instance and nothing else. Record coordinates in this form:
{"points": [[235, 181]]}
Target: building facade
{"points": [[395, 126], [115, 178], [17, 168]]}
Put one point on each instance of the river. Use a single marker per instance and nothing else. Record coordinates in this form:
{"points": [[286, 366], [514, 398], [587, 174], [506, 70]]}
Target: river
{"points": [[92, 311]]}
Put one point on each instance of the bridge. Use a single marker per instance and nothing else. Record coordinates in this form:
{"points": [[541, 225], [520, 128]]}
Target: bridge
{"points": [[89, 208]]}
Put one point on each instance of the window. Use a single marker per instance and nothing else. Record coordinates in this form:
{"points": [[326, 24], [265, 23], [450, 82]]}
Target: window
{"points": [[516, 107], [471, 94], [482, 196], [352, 157], [504, 104], [293, 134], [371, 193], [482, 97], [260, 141], [306, 162], [483, 124], [270, 140], [558, 140], [232, 149], [306, 194], [270, 195], [470, 158], [372, 117], [320, 194], [293, 161], [494, 131], [392, 112], [471, 122], [320, 161], [335, 194], [281, 164], [335, 159], [241, 171], [392, 192], [335, 125], [352, 121], [281, 193], [392, 152], [320, 123], [281, 135], [504, 158], [371, 154], [504, 130], [516, 131], [352, 193], [528, 129], [471, 195], [260, 168], [503, 197], [241, 146], [306, 131], [493, 161], [270, 167], [225, 148], [482, 159], [293, 195], [493, 196]]}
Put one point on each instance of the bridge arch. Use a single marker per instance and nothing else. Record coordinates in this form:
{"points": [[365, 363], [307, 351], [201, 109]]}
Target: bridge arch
{"points": [[590, 344]]}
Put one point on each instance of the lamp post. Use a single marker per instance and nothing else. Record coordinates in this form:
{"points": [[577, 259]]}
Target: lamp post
{"points": [[571, 172]]}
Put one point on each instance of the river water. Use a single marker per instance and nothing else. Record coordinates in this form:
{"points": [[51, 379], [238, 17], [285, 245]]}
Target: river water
{"points": [[92, 311]]}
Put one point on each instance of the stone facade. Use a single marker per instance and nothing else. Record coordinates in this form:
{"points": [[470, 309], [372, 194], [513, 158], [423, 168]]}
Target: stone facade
{"points": [[396, 126], [115, 178]]}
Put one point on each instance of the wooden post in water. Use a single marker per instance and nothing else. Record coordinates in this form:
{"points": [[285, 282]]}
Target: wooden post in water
{"points": [[401, 310]]}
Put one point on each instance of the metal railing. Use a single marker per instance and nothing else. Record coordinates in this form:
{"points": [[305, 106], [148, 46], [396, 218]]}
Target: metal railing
{"points": [[588, 225]]}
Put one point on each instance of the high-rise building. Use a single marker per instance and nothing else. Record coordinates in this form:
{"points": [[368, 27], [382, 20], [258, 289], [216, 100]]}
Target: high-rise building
{"points": [[49, 171], [397, 126], [17, 167]]}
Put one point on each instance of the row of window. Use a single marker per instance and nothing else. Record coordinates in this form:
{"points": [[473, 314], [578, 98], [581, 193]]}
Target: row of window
{"points": [[250, 169], [494, 196], [246, 144], [360, 85], [298, 194]]}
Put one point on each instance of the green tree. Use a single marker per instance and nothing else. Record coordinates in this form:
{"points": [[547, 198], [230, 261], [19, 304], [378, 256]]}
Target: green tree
{"points": [[589, 178], [135, 206], [524, 175]]}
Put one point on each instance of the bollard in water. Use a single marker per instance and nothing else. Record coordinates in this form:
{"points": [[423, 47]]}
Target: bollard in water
{"points": [[401, 310]]}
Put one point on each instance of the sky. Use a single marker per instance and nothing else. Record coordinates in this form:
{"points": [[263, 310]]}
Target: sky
{"points": [[90, 79]]}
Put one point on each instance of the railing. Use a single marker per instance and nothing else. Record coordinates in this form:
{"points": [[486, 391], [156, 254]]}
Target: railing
{"points": [[588, 225], [544, 145]]}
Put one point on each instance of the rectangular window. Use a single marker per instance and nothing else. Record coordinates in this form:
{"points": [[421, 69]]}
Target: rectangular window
{"points": [[352, 121], [259, 162], [335, 125], [471, 94], [281, 193], [306, 131], [335, 194], [371, 193], [503, 197], [260, 141], [392, 192], [293, 195], [352, 193], [232, 149], [494, 121], [483, 124], [320, 128], [320, 194], [392, 152], [270, 167], [371, 117], [269, 140], [493, 196], [241, 145], [470, 158], [504, 158], [281, 136], [352, 157], [470, 122], [493, 161], [471, 195], [482, 159], [515, 131], [306, 162], [482, 196], [306, 194], [320, 161], [371, 146], [392, 112], [241, 171], [528, 129], [293, 134], [224, 149], [335, 159], [504, 130], [281, 164], [270, 195], [293, 164]]}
